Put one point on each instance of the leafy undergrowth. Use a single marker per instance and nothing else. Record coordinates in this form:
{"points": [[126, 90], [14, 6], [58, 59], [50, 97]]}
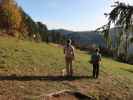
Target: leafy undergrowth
{"points": [[29, 70]]}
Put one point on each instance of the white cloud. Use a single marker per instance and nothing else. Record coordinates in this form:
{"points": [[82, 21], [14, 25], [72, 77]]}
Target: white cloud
{"points": [[126, 1], [56, 25], [62, 25], [98, 21]]}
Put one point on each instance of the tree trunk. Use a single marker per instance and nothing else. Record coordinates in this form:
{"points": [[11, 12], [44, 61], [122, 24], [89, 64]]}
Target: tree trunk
{"points": [[126, 47]]}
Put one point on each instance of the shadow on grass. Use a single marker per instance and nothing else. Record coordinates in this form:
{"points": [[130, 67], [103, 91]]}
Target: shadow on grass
{"points": [[43, 78], [128, 70]]}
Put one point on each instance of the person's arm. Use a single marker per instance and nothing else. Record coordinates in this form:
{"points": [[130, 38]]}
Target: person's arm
{"points": [[100, 57], [91, 59], [73, 51]]}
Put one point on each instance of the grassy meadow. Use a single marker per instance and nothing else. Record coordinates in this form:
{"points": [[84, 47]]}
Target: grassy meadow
{"points": [[29, 70]]}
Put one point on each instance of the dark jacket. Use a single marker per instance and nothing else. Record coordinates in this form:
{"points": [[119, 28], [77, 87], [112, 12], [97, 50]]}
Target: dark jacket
{"points": [[96, 58]]}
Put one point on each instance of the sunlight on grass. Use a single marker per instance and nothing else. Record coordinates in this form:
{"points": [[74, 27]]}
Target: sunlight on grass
{"points": [[46, 59], [38, 60]]}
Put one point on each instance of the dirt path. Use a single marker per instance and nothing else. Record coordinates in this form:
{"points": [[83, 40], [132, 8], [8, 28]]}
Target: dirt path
{"points": [[107, 87]]}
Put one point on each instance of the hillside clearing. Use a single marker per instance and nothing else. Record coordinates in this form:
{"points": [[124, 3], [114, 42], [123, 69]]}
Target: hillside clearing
{"points": [[29, 70]]}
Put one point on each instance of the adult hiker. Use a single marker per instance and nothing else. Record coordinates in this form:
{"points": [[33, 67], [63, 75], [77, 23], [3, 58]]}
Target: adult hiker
{"points": [[95, 60], [69, 57]]}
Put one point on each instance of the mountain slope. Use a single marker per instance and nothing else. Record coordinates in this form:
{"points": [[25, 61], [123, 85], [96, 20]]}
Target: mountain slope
{"points": [[85, 39]]}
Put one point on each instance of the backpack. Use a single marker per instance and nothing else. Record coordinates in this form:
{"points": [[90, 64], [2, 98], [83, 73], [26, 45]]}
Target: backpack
{"points": [[95, 59], [69, 51]]}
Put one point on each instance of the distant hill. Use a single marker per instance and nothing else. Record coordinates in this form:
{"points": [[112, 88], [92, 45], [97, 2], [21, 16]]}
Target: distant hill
{"points": [[63, 31], [85, 39]]}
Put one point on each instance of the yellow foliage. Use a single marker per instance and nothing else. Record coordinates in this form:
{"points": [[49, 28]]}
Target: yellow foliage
{"points": [[10, 14]]}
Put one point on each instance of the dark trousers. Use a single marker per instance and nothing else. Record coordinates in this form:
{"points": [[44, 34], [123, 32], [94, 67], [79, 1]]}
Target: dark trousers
{"points": [[95, 70]]}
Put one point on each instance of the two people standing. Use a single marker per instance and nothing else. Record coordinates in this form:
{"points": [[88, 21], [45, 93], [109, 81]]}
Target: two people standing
{"points": [[70, 56]]}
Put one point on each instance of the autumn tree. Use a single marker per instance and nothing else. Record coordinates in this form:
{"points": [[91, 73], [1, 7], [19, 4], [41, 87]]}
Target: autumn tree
{"points": [[10, 16]]}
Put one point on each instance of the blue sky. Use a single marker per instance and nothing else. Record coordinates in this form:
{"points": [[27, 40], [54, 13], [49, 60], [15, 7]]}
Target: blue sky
{"points": [[77, 15]]}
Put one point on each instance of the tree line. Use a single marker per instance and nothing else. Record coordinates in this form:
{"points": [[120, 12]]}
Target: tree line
{"points": [[121, 16], [14, 21]]}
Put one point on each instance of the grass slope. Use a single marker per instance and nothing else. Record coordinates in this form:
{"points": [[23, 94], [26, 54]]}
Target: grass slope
{"points": [[29, 70]]}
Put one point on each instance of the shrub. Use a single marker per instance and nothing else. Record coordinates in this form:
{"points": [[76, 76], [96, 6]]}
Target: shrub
{"points": [[130, 59]]}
